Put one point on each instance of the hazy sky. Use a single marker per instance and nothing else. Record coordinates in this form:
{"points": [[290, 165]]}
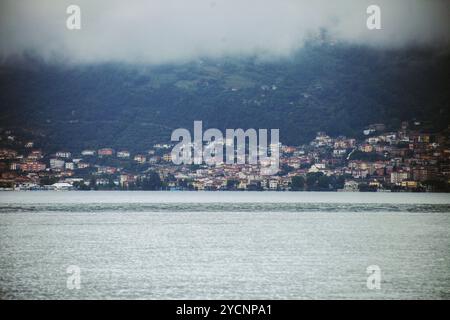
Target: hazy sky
{"points": [[158, 31]]}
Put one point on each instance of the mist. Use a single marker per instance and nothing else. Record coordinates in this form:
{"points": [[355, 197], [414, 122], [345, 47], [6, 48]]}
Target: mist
{"points": [[161, 31]]}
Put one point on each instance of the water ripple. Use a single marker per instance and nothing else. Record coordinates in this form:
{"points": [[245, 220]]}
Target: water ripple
{"points": [[221, 207]]}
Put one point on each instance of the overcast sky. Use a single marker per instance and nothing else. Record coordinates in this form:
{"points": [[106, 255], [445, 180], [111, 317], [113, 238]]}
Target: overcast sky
{"points": [[157, 31]]}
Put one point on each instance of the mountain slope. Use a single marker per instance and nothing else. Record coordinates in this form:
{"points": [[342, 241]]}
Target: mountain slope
{"points": [[334, 88]]}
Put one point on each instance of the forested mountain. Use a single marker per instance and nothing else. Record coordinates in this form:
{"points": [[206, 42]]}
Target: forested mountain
{"points": [[335, 88]]}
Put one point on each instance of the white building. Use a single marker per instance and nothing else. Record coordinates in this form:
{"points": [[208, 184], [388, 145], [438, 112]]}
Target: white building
{"points": [[63, 154], [82, 165], [351, 186], [140, 158], [123, 154], [62, 186], [88, 152], [273, 184], [56, 163], [398, 177], [70, 166]]}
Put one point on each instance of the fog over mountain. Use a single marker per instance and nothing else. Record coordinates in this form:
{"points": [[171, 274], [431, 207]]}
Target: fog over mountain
{"points": [[139, 69], [160, 31]]}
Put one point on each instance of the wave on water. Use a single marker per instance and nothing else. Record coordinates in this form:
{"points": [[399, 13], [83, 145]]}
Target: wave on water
{"points": [[223, 207]]}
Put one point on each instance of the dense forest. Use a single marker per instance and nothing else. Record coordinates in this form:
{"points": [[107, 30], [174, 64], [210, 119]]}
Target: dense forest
{"points": [[335, 88]]}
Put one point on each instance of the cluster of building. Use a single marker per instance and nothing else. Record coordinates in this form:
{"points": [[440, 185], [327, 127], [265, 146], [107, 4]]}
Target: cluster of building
{"points": [[407, 159]]}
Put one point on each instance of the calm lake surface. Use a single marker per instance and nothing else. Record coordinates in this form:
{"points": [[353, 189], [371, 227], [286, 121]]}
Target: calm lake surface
{"points": [[224, 245]]}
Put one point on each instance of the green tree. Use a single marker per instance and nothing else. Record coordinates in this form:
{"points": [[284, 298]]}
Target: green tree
{"points": [[232, 184], [151, 181], [312, 180], [93, 184], [323, 183], [80, 185], [48, 180], [297, 183]]}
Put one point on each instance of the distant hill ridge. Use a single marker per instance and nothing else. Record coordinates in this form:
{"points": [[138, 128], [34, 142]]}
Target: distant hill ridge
{"points": [[339, 89]]}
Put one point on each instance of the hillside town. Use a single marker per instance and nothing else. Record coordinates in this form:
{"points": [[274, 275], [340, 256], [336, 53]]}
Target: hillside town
{"points": [[406, 159]]}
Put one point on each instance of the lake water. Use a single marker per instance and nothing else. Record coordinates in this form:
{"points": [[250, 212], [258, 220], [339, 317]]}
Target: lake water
{"points": [[224, 245]]}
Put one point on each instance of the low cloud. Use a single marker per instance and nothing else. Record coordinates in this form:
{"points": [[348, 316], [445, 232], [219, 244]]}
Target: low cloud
{"points": [[159, 31]]}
